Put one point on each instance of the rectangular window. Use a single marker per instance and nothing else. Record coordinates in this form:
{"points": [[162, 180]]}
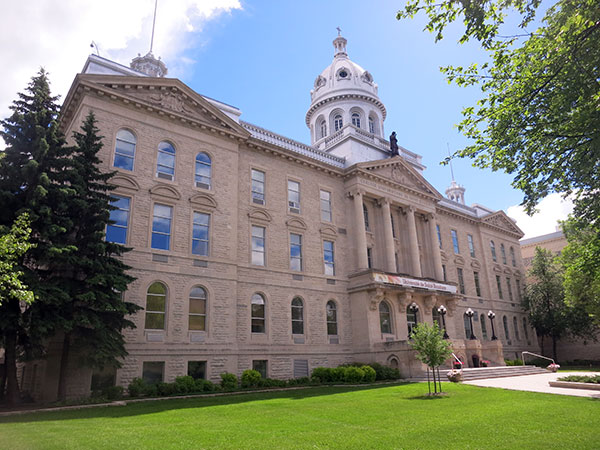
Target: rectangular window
{"points": [[197, 369], [518, 289], [499, 284], [153, 371], [393, 225], [296, 252], [325, 206], [370, 257], [437, 227], [258, 245], [260, 366], [161, 227], [461, 280], [510, 295], [471, 245], [258, 187], [444, 270], [116, 231], [200, 233], [455, 241], [396, 259], [294, 196], [477, 287], [328, 258]]}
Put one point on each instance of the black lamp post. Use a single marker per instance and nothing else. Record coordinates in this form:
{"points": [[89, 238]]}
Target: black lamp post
{"points": [[492, 316], [470, 315], [442, 310]]}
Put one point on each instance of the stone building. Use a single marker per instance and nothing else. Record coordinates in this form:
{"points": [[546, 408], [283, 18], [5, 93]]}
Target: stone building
{"points": [[252, 250]]}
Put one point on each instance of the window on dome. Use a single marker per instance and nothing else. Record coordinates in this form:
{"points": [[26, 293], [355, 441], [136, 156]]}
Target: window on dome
{"points": [[356, 120], [323, 129], [371, 125], [338, 122], [343, 74]]}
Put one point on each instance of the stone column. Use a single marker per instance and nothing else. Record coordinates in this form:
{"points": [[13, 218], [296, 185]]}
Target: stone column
{"points": [[360, 237], [414, 241], [388, 236], [435, 248]]}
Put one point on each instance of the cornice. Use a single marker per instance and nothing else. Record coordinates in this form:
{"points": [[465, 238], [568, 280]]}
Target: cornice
{"points": [[365, 97]]}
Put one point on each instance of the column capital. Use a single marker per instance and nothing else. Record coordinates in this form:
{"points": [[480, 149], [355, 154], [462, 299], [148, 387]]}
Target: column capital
{"points": [[409, 209], [383, 201], [430, 216], [376, 297], [355, 193]]}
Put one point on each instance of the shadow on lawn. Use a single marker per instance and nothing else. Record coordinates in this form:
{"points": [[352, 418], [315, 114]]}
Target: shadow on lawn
{"points": [[166, 404]]}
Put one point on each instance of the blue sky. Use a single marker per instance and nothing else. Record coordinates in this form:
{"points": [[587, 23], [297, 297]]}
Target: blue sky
{"points": [[263, 56]]}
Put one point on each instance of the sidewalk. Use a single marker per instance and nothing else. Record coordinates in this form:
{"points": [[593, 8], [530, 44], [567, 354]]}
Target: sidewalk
{"points": [[537, 383]]}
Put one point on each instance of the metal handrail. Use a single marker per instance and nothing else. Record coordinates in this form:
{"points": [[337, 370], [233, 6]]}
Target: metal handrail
{"points": [[458, 359], [535, 354]]}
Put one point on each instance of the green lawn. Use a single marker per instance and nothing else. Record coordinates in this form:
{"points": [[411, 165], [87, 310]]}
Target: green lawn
{"points": [[372, 417]]}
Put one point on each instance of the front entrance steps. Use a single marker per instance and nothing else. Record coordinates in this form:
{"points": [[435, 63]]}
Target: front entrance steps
{"points": [[481, 373]]}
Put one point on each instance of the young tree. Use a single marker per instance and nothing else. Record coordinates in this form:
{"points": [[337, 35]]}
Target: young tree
{"points": [[431, 347], [539, 117], [30, 172], [14, 243], [95, 314]]}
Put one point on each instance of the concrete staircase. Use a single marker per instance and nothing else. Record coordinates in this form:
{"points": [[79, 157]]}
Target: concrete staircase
{"points": [[481, 373]]}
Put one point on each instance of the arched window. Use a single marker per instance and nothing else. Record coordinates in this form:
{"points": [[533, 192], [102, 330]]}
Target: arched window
{"points": [[393, 363], [258, 313], [297, 316], [483, 327], [516, 327], [124, 150], [505, 323], [371, 125], [411, 318], [525, 328], [512, 257], [203, 170], [467, 323], [503, 253], [156, 303], [435, 315], [197, 318], [356, 120], [385, 320], [366, 217], [332, 326], [323, 129], [165, 163], [338, 122], [493, 249]]}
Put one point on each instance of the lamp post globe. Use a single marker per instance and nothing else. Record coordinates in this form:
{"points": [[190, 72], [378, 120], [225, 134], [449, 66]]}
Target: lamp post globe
{"points": [[492, 316], [470, 315]]}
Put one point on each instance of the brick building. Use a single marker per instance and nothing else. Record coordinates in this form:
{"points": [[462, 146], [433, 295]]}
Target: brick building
{"points": [[252, 250]]}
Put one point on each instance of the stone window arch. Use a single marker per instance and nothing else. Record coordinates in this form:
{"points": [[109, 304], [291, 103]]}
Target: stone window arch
{"points": [[297, 316], [258, 313], [203, 172], [197, 310], [165, 161], [156, 306], [332, 322], [385, 317]]}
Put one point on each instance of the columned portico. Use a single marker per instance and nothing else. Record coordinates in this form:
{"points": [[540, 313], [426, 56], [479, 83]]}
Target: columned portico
{"points": [[435, 248], [388, 235], [415, 258]]}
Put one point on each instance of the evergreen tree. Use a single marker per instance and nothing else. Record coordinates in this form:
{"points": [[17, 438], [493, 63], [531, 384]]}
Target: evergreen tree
{"points": [[30, 173], [95, 314]]}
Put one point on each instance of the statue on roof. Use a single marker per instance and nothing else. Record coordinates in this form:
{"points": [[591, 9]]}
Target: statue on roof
{"points": [[394, 144]]}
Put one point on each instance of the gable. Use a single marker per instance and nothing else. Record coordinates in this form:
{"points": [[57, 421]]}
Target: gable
{"points": [[501, 220], [167, 97], [397, 171]]}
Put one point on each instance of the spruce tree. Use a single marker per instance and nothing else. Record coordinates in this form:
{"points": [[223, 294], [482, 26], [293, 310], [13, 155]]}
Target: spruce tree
{"points": [[95, 314], [30, 172]]}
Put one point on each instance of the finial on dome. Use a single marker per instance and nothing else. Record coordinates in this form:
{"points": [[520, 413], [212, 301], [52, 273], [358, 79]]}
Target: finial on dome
{"points": [[339, 43], [455, 191]]}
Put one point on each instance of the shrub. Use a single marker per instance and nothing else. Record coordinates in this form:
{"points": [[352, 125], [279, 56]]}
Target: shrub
{"points": [[113, 392], [251, 378], [513, 362], [384, 372], [150, 390], [353, 374], [271, 383], [137, 387], [202, 385], [165, 389], [322, 374], [185, 384], [581, 378], [338, 374], [369, 374], [302, 381], [229, 381]]}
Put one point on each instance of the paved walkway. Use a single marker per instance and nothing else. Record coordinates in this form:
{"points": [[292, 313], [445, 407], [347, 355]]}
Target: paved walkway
{"points": [[537, 383]]}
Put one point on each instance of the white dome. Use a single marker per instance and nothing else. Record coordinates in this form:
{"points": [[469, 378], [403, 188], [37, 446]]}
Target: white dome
{"points": [[343, 79]]}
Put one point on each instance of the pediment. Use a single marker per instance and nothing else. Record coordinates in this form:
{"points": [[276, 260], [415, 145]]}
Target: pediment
{"points": [[203, 200], [501, 220], [328, 231], [475, 265], [296, 223], [162, 190], [167, 96], [260, 215], [125, 182], [399, 172]]}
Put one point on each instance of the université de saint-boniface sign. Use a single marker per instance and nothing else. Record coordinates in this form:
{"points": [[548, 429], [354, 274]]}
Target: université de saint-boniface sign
{"points": [[413, 282]]}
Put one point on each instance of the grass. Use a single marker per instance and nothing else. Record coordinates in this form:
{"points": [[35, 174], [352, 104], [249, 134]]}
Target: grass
{"points": [[398, 416]]}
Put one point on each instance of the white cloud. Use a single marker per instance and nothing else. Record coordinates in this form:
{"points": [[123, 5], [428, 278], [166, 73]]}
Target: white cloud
{"points": [[550, 210], [56, 35]]}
